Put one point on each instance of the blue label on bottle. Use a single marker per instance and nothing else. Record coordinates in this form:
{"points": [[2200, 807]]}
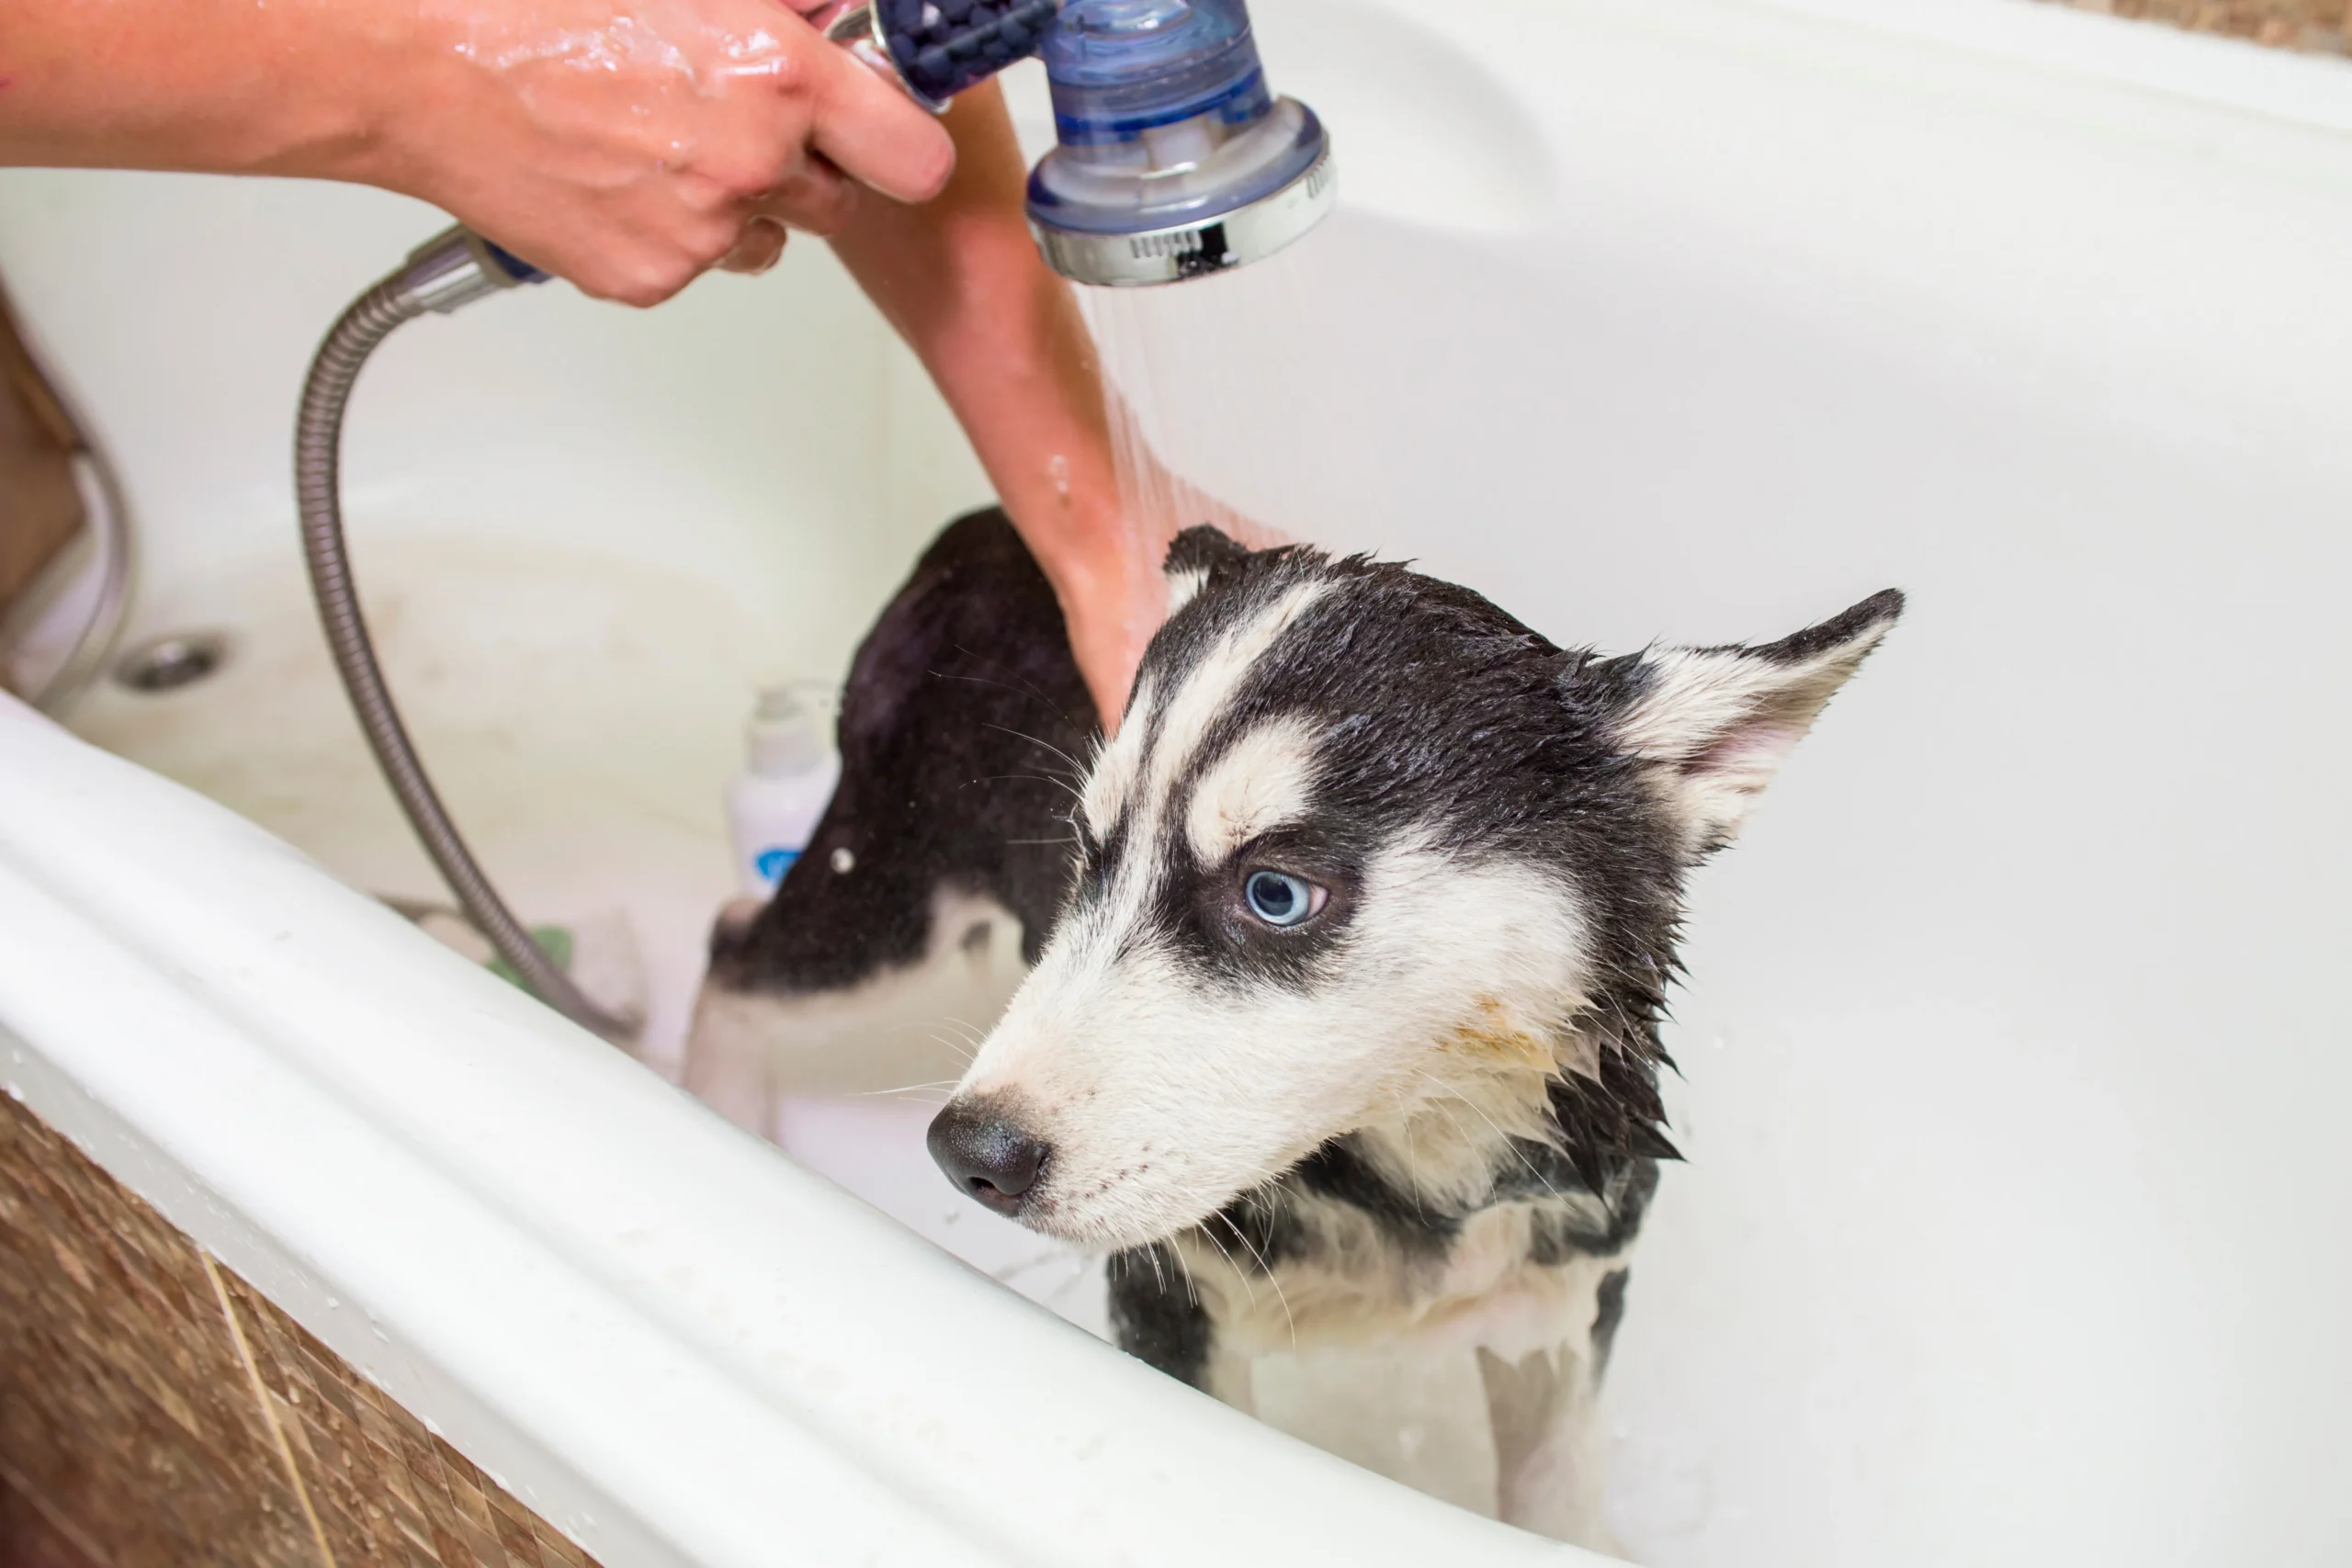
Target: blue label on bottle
{"points": [[773, 863]]}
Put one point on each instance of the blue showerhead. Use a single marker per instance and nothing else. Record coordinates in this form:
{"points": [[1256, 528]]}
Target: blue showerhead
{"points": [[1174, 159]]}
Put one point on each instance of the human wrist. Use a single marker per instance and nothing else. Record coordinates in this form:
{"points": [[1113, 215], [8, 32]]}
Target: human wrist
{"points": [[305, 92], [384, 86]]}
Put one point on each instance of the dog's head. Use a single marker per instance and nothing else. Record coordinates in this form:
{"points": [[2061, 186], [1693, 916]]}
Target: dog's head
{"points": [[1368, 857]]}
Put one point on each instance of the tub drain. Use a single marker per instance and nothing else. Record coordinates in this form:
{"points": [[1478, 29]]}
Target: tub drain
{"points": [[170, 662]]}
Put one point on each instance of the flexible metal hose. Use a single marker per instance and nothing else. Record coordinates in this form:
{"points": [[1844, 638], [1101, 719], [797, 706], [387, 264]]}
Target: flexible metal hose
{"points": [[422, 286]]}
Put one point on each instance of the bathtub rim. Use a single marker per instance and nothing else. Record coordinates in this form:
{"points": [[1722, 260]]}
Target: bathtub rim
{"points": [[622, 1395]]}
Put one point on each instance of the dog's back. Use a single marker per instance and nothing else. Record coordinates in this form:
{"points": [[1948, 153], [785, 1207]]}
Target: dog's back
{"points": [[932, 880]]}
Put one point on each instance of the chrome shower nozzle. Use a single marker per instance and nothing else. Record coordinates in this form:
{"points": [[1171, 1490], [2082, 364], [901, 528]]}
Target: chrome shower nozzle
{"points": [[1174, 159], [1238, 223]]}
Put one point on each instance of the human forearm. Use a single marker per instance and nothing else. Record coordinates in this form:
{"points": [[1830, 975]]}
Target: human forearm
{"points": [[220, 86], [960, 278], [624, 144]]}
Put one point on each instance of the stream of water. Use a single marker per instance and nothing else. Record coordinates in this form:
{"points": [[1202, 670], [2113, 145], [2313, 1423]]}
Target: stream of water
{"points": [[1210, 392]]}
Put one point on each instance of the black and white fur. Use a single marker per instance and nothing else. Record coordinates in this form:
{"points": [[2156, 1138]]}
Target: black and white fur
{"points": [[929, 886], [1373, 1173]]}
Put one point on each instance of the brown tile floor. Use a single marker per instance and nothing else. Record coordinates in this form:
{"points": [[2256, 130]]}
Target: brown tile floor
{"points": [[156, 1410], [30, 1539], [2319, 27]]}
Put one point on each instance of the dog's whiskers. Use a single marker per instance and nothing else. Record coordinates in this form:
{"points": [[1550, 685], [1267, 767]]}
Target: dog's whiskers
{"points": [[1412, 1160], [1159, 1250], [962, 1049], [1062, 784], [1210, 1236], [1076, 767], [1436, 1103], [905, 1088], [972, 1037], [1507, 1141], [1027, 686], [1289, 1322]]}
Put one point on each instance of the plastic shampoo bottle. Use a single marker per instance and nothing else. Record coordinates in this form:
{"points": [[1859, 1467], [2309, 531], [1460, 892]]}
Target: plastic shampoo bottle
{"points": [[789, 771]]}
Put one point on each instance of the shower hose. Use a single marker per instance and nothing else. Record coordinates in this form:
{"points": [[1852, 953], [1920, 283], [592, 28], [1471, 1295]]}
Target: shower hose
{"points": [[453, 269]]}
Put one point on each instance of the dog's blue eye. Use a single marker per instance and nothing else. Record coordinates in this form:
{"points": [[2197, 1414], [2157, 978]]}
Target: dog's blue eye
{"points": [[1279, 898]]}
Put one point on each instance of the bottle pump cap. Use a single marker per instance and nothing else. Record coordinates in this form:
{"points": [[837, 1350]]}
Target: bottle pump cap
{"points": [[787, 733]]}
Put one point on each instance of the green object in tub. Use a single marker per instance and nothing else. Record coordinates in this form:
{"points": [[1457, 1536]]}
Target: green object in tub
{"points": [[554, 941]]}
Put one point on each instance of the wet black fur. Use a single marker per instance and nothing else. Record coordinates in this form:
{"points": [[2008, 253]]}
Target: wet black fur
{"points": [[1433, 708], [962, 725], [1609, 1310]]}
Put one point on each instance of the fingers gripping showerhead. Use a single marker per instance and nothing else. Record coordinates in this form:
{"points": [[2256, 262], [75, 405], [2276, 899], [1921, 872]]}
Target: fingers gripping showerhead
{"points": [[1174, 159]]}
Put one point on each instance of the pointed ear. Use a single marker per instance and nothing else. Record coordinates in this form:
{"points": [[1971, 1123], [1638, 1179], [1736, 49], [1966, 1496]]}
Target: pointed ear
{"points": [[1191, 555], [1717, 722]]}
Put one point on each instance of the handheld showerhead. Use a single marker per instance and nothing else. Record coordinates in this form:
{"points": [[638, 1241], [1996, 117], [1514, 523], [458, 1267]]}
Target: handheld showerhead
{"points": [[1174, 161]]}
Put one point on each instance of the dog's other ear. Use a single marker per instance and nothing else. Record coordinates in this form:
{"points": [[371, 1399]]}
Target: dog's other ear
{"points": [[1191, 555], [1718, 721]]}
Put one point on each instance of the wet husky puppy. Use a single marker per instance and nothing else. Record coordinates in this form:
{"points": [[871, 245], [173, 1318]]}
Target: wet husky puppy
{"points": [[1344, 1042]]}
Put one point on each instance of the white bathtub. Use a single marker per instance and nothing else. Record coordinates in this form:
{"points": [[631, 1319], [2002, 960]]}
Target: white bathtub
{"points": [[2012, 1227]]}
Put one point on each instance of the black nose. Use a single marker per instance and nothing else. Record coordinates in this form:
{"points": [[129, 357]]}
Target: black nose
{"points": [[985, 1152]]}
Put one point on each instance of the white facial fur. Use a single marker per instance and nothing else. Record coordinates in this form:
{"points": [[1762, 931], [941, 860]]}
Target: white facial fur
{"points": [[1430, 1025], [1179, 724], [1164, 1092], [1262, 782]]}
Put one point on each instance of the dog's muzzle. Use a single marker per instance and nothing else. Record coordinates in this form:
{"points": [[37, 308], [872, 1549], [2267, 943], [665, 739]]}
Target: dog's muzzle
{"points": [[986, 1153]]}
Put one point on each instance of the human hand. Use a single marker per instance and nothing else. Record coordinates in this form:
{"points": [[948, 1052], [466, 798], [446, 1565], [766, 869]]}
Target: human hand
{"points": [[624, 144], [629, 145]]}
